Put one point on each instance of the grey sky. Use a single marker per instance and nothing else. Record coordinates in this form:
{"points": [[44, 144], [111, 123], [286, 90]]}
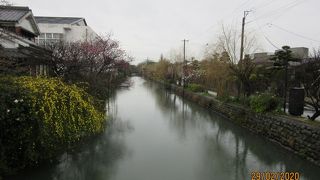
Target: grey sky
{"points": [[147, 28]]}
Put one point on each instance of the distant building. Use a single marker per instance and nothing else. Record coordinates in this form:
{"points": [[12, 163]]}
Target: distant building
{"points": [[63, 29], [19, 53], [300, 52], [264, 58]]}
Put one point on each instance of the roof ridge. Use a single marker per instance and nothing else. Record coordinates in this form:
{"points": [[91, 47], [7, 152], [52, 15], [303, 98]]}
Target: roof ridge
{"points": [[59, 20], [15, 7], [58, 17]]}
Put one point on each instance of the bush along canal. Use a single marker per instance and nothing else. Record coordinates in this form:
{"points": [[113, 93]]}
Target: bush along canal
{"points": [[41, 118], [155, 134]]}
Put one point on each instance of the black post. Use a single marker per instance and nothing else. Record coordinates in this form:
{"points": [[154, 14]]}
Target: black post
{"points": [[285, 86]]}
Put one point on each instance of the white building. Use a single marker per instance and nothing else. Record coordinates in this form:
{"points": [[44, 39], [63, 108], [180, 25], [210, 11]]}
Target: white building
{"points": [[63, 29]]}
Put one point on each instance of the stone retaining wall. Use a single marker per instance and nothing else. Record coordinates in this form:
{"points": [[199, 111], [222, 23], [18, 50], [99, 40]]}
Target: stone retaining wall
{"points": [[295, 135]]}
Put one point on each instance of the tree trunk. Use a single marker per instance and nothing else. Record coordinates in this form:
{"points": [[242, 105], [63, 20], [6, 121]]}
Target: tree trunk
{"points": [[314, 116]]}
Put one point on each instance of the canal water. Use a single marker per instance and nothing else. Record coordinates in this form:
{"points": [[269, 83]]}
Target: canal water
{"points": [[155, 135]]}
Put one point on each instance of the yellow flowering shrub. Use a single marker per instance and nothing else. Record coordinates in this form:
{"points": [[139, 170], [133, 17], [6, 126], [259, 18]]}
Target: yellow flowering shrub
{"points": [[40, 117]]}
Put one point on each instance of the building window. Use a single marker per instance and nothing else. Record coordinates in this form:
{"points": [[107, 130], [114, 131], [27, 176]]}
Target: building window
{"points": [[49, 35], [56, 36], [47, 39]]}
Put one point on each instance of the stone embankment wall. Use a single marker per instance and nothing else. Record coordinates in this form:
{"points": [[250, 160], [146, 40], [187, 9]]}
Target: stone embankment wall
{"points": [[297, 136]]}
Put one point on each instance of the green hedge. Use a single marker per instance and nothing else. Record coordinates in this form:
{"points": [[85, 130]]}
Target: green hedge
{"points": [[195, 87], [264, 102], [40, 117]]}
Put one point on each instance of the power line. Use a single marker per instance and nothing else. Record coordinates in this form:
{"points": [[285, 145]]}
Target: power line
{"points": [[269, 41], [241, 5], [283, 9], [264, 5], [296, 34], [227, 16], [265, 34], [279, 10], [286, 10]]}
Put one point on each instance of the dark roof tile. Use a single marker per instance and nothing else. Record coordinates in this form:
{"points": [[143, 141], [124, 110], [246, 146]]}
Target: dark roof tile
{"points": [[12, 13], [57, 20]]}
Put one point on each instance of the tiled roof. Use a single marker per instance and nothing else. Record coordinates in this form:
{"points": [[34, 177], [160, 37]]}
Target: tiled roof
{"points": [[12, 13], [57, 20]]}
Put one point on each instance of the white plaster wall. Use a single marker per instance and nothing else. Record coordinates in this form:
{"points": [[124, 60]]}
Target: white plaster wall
{"points": [[79, 33], [70, 33], [52, 28], [26, 24], [300, 52]]}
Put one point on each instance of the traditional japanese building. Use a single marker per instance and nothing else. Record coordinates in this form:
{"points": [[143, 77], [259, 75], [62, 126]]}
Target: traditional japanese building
{"points": [[19, 53]]}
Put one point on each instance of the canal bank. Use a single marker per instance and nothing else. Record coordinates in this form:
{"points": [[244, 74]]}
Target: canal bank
{"points": [[297, 136]]}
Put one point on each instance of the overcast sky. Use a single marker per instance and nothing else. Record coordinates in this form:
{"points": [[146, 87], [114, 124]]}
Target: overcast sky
{"points": [[147, 28]]}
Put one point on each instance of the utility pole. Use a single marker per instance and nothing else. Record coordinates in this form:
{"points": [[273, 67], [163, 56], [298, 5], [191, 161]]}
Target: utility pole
{"points": [[245, 14], [184, 62]]}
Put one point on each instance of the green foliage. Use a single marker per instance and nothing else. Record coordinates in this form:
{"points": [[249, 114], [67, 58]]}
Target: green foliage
{"points": [[195, 88], [161, 69], [244, 74], [264, 102], [226, 98], [41, 117], [243, 100], [217, 75], [283, 56], [205, 93]]}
